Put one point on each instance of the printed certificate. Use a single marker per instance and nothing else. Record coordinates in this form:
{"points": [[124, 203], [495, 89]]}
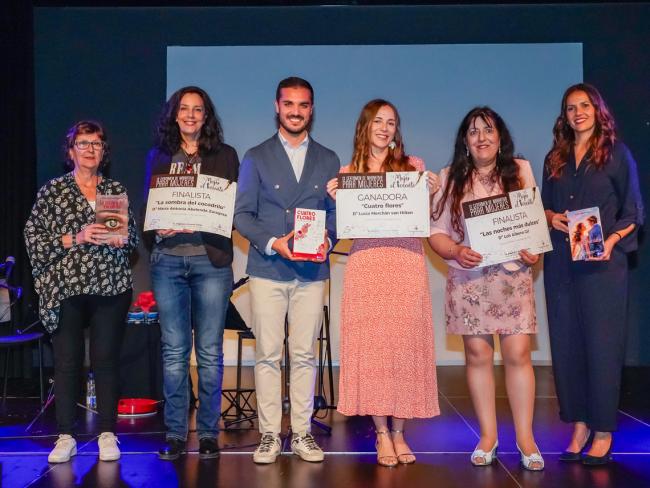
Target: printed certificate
{"points": [[196, 202], [499, 227], [394, 204]]}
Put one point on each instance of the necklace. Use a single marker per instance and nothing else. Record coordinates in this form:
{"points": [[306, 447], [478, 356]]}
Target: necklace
{"points": [[192, 161], [488, 180]]}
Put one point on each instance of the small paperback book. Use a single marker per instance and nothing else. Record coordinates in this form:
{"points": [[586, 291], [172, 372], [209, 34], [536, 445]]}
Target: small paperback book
{"points": [[585, 234], [309, 233], [113, 212]]}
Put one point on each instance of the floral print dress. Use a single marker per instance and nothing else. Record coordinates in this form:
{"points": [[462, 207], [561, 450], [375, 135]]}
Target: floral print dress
{"points": [[387, 360], [496, 299]]}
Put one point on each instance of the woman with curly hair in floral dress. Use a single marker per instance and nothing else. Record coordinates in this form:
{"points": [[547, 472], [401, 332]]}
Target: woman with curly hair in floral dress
{"points": [[498, 299]]}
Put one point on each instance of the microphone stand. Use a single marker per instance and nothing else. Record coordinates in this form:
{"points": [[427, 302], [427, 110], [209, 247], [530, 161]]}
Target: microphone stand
{"points": [[48, 402]]}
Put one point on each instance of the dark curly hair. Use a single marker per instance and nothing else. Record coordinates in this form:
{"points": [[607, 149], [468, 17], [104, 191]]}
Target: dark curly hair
{"points": [[86, 127], [168, 135], [601, 142], [462, 166]]}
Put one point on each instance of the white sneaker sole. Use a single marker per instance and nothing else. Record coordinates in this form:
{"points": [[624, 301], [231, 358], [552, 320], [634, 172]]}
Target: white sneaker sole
{"points": [[111, 457], [56, 460], [266, 460], [318, 459]]}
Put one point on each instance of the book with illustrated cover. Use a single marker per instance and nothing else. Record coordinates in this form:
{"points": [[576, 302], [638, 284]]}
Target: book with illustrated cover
{"points": [[309, 227], [585, 234], [113, 212]]}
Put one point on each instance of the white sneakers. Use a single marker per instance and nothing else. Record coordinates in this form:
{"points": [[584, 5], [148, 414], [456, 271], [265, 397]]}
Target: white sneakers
{"points": [[305, 446], [66, 447], [268, 450], [108, 450]]}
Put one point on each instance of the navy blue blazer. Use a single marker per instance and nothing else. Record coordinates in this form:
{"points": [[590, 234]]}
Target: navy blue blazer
{"points": [[267, 196]]}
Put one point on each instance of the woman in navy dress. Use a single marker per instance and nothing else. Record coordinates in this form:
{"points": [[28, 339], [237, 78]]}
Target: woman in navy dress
{"points": [[587, 300]]}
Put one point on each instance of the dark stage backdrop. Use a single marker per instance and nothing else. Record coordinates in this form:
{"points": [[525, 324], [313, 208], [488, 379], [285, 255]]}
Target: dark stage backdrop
{"points": [[110, 64]]}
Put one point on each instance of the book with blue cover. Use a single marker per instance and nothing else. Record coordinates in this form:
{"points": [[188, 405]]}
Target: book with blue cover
{"points": [[585, 234]]}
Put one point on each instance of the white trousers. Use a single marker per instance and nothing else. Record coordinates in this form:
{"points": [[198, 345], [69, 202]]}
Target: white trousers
{"points": [[271, 301]]}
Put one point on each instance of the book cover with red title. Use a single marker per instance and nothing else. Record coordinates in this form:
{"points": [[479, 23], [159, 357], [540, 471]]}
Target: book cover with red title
{"points": [[309, 233], [113, 212]]}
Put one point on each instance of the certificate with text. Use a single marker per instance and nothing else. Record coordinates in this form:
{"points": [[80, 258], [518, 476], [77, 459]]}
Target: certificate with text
{"points": [[499, 227], [201, 203], [394, 204]]}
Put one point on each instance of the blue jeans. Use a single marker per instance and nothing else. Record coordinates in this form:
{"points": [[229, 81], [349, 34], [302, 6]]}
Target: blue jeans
{"points": [[191, 292]]}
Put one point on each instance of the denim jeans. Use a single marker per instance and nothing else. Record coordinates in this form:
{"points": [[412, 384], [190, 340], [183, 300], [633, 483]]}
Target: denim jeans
{"points": [[191, 293]]}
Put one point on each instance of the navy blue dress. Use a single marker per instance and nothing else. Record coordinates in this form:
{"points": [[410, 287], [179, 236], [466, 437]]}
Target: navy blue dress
{"points": [[587, 300]]}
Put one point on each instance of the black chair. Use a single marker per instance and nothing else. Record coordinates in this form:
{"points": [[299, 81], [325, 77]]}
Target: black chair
{"points": [[16, 341], [18, 338]]}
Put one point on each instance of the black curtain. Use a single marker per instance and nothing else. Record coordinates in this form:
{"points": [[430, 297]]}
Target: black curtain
{"points": [[17, 141], [17, 163]]}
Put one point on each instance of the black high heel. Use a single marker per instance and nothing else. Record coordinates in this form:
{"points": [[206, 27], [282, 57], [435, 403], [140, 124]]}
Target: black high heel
{"points": [[606, 458], [576, 457]]}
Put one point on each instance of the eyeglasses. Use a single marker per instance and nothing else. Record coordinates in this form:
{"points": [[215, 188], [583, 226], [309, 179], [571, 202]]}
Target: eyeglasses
{"points": [[83, 145]]}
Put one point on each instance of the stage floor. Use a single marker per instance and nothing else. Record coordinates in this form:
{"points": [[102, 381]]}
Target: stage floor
{"points": [[442, 446]]}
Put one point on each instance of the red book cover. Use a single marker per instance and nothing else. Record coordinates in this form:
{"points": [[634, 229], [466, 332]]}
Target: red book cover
{"points": [[113, 212], [309, 233]]}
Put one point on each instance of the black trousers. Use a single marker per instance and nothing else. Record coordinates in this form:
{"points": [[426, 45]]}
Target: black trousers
{"points": [[587, 329], [106, 316]]}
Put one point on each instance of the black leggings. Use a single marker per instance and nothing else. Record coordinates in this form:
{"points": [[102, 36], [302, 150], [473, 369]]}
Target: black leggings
{"points": [[106, 317]]}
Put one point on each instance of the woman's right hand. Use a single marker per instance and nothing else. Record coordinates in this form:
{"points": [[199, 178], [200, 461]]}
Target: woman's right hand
{"points": [[92, 234], [559, 222], [331, 187], [467, 257]]}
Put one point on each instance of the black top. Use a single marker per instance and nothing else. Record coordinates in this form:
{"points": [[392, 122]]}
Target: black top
{"points": [[222, 162], [183, 244], [614, 189], [85, 269]]}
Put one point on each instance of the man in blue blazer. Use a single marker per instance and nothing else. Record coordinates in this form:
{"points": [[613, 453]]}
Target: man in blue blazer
{"points": [[287, 171]]}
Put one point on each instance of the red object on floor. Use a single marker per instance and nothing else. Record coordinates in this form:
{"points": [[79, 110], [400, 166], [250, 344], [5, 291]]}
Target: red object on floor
{"points": [[136, 406], [145, 301]]}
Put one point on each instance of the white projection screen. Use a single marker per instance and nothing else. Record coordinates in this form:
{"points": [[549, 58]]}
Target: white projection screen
{"points": [[433, 87]]}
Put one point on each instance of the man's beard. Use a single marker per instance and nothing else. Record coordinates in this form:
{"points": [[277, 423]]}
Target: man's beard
{"points": [[292, 130]]}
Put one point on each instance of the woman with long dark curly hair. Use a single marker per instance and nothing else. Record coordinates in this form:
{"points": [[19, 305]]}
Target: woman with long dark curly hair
{"points": [[191, 272], [387, 350], [497, 299], [587, 300]]}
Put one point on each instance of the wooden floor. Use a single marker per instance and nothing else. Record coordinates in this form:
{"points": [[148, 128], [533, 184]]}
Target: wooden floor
{"points": [[442, 446]]}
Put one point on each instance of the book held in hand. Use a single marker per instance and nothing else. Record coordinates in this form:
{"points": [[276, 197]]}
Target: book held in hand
{"points": [[113, 212], [585, 234], [309, 233]]}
